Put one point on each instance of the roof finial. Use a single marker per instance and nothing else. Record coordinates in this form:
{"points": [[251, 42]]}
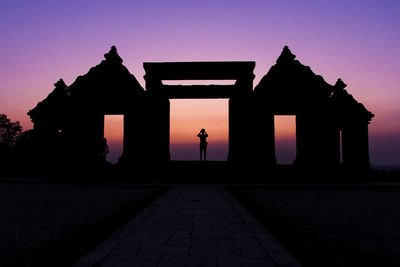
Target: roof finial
{"points": [[60, 84], [113, 56], [286, 56], [340, 85]]}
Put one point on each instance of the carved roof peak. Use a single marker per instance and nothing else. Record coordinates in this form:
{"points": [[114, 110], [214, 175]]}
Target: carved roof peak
{"points": [[286, 56], [112, 56], [60, 84]]}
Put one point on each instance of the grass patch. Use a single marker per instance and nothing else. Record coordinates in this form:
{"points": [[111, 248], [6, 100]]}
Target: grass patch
{"points": [[325, 226], [55, 224]]}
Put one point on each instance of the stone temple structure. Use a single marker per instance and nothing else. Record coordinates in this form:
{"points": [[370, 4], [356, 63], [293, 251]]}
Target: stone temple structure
{"points": [[69, 123]]}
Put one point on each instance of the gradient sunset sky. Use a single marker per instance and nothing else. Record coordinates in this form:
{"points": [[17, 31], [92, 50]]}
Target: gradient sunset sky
{"points": [[358, 41]]}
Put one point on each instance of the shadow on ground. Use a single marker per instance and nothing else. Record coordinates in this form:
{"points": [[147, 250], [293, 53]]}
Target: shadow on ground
{"points": [[54, 224], [330, 225]]}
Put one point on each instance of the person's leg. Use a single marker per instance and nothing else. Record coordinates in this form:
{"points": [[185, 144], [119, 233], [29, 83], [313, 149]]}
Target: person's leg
{"points": [[205, 152], [201, 152]]}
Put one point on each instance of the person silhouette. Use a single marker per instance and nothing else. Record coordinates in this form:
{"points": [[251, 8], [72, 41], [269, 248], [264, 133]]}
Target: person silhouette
{"points": [[103, 149], [203, 144]]}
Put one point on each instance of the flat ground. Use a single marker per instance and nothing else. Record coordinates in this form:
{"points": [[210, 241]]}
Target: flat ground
{"points": [[53, 224], [191, 225], [330, 226]]}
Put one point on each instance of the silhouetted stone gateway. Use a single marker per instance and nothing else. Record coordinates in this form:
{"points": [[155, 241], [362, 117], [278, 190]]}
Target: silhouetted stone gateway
{"points": [[69, 123], [242, 72]]}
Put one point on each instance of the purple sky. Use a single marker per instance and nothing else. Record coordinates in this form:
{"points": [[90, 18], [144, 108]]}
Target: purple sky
{"points": [[358, 41]]}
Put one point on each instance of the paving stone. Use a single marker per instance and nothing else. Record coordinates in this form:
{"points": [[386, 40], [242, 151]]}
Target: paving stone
{"points": [[229, 251], [238, 228], [224, 261], [164, 250], [244, 235], [254, 252], [206, 235], [189, 261], [203, 242], [223, 235], [179, 242], [139, 242], [130, 261], [181, 234], [191, 225], [225, 243], [248, 242], [203, 251]]}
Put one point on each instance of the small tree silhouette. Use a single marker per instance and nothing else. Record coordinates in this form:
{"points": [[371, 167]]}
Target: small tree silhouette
{"points": [[9, 131]]}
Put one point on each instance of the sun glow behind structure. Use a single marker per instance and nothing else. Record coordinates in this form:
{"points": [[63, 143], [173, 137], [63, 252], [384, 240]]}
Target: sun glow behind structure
{"points": [[285, 139], [33, 56], [114, 133], [188, 117]]}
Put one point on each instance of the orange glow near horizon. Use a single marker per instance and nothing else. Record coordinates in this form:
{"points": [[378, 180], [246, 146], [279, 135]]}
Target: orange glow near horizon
{"points": [[188, 116], [285, 139], [114, 133]]}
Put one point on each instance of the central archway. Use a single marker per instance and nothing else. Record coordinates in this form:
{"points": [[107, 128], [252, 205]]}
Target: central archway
{"points": [[238, 94], [188, 116]]}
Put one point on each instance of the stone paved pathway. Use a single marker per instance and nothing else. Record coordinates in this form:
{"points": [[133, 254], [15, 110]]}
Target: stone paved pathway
{"points": [[191, 225]]}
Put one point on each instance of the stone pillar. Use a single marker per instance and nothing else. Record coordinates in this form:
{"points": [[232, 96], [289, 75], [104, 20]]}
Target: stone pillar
{"points": [[355, 145], [146, 132], [333, 145], [234, 127], [240, 130], [263, 134], [87, 136], [135, 147], [157, 128], [303, 136], [317, 140]]}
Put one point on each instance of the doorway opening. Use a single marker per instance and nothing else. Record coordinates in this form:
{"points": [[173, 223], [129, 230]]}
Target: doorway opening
{"points": [[114, 134], [188, 117], [285, 139]]}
